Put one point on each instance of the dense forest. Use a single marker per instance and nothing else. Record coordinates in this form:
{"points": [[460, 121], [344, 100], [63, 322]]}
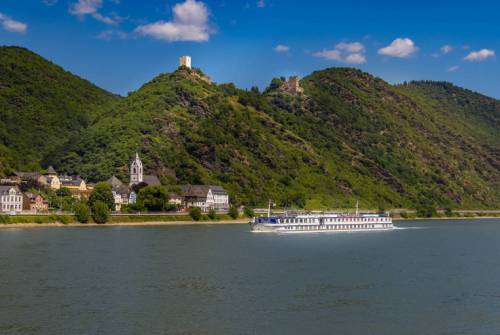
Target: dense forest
{"points": [[350, 135]]}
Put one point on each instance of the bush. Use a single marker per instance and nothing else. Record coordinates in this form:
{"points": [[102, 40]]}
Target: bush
{"points": [[4, 219], [195, 213], [153, 198], [249, 212], [212, 215], [82, 213], [100, 212], [233, 212], [426, 211]]}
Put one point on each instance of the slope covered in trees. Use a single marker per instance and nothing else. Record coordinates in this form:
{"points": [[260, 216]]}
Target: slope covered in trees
{"points": [[350, 137], [41, 107]]}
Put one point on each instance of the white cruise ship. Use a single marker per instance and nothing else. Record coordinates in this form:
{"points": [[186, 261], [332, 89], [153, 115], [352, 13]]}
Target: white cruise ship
{"points": [[326, 222]]}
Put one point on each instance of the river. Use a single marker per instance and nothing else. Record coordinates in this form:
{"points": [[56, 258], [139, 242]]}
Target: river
{"points": [[425, 277]]}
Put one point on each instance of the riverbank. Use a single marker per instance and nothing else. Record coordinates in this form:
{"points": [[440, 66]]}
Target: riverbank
{"points": [[123, 224]]}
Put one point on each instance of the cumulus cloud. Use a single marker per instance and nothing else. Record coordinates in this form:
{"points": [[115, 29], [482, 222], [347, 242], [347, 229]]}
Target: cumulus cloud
{"points": [[355, 47], [108, 35], [189, 23], [400, 48], [446, 49], [12, 25], [479, 56], [282, 48], [350, 53], [85, 7], [82, 8]]}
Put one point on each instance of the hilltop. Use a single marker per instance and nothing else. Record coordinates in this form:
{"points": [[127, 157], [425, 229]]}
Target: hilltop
{"points": [[348, 136], [41, 107]]}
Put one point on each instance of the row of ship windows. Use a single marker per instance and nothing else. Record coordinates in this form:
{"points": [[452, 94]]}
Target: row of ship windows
{"points": [[336, 220], [333, 227]]}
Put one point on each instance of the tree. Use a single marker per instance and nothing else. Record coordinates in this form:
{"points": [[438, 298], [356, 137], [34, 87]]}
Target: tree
{"points": [[82, 212], [212, 215], [195, 213], [63, 192], [137, 187], [233, 212], [153, 198], [100, 212], [249, 212], [102, 192]]}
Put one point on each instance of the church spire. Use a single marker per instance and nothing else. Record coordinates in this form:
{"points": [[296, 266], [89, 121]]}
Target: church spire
{"points": [[136, 171]]}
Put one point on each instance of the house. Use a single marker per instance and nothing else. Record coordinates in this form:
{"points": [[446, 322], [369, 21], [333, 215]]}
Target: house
{"points": [[205, 197], [34, 202], [175, 199], [76, 185], [19, 177], [121, 192], [52, 179], [137, 175], [11, 199]]}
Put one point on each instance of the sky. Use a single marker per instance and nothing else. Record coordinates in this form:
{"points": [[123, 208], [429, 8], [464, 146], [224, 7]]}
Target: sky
{"points": [[121, 44]]}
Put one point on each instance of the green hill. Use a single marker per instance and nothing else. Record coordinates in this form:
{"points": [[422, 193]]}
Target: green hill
{"points": [[350, 137], [41, 107]]}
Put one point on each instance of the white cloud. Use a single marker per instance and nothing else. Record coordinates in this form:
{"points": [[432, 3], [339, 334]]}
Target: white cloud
{"points": [[85, 7], [108, 35], [329, 54], [350, 53], [446, 49], [453, 68], [355, 47], [104, 19], [356, 58], [190, 23], [261, 3], [479, 56], [282, 48], [82, 8], [12, 25], [400, 47]]}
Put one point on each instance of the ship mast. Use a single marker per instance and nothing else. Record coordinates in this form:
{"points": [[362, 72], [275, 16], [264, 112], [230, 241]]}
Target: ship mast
{"points": [[357, 207], [269, 209]]}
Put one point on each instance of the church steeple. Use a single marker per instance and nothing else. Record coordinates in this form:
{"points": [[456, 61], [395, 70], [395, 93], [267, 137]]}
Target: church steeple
{"points": [[136, 171]]}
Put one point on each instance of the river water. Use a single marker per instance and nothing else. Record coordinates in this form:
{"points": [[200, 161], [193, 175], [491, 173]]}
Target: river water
{"points": [[426, 277]]}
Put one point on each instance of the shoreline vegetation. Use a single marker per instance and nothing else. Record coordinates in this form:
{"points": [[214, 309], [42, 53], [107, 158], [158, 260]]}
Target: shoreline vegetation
{"points": [[52, 220]]}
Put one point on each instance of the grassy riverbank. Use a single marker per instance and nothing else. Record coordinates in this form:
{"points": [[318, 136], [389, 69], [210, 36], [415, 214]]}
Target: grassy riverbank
{"points": [[70, 220]]}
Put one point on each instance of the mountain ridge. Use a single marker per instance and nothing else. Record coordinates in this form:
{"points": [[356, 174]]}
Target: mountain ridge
{"points": [[351, 136]]}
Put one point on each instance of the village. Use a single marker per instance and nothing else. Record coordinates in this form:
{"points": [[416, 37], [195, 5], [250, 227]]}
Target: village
{"points": [[42, 192]]}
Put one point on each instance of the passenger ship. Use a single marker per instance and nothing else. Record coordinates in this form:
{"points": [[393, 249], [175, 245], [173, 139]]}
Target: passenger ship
{"points": [[327, 222]]}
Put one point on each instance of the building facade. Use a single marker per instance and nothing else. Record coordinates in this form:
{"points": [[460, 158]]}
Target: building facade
{"points": [[11, 199], [205, 197], [34, 203], [136, 171]]}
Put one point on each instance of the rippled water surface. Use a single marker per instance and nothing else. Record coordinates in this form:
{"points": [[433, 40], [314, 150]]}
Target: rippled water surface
{"points": [[428, 277]]}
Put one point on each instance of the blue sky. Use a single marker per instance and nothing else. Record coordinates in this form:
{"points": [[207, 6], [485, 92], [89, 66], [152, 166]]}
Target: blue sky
{"points": [[121, 44]]}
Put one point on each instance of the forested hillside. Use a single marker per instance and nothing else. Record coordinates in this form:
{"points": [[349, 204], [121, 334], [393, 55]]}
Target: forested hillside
{"points": [[350, 137], [41, 107]]}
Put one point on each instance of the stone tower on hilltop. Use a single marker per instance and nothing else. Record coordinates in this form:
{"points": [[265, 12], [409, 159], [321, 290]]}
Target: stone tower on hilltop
{"points": [[185, 61], [292, 86], [136, 171]]}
